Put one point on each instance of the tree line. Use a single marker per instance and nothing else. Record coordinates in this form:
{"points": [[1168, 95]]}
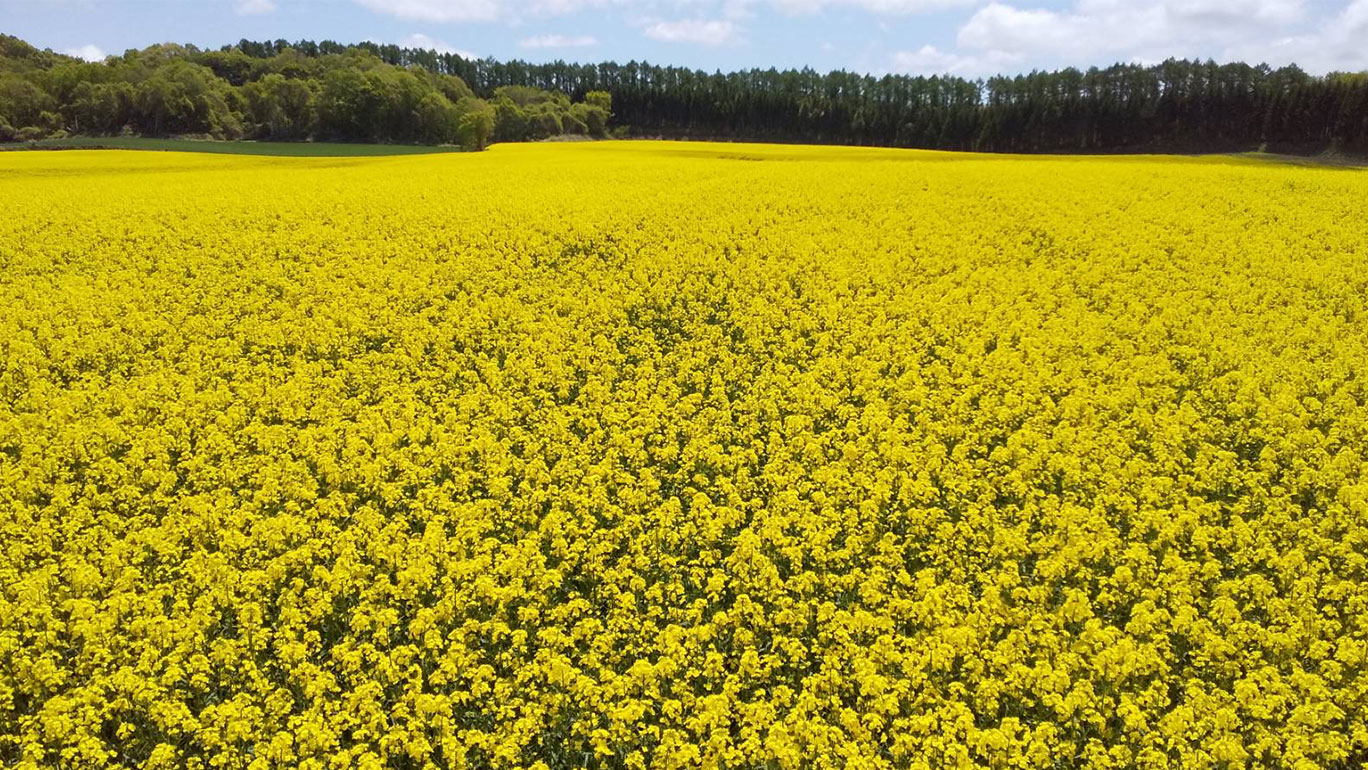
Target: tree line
{"points": [[347, 94], [376, 92], [1177, 105]]}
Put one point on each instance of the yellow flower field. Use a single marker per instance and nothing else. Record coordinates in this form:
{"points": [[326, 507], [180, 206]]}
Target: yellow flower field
{"points": [[628, 455]]}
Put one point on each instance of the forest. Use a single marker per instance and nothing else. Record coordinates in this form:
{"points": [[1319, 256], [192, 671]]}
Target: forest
{"points": [[346, 95], [387, 93]]}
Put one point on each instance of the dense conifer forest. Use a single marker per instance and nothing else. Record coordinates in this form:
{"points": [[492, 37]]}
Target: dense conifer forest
{"points": [[385, 93]]}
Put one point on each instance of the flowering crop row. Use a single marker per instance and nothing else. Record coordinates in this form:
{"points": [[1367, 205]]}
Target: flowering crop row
{"points": [[682, 455]]}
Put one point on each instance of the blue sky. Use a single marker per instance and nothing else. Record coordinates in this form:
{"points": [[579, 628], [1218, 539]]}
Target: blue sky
{"points": [[965, 37]]}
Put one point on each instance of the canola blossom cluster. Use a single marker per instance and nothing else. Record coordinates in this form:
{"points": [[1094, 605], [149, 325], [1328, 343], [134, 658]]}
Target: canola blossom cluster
{"points": [[652, 455]]}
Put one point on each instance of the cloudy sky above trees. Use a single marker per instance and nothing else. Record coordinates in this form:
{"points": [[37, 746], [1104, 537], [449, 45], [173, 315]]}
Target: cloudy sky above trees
{"points": [[965, 37]]}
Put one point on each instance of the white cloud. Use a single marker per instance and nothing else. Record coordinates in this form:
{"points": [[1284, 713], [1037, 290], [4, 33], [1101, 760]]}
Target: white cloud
{"points": [[558, 41], [1335, 44], [929, 60], [480, 10], [1125, 29], [994, 35], [1103, 31], [562, 7], [1236, 11], [879, 7], [513, 11], [250, 7], [1005, 30], [419, 40], [697, 31], [438, 10], [87, 52]]}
